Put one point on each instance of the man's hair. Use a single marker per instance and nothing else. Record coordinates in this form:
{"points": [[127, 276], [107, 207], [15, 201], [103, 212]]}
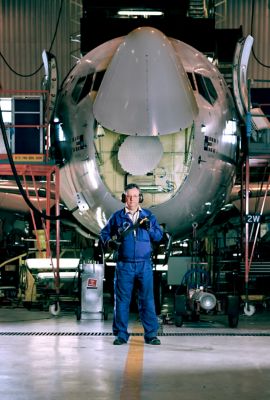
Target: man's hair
{"points": [[132, 186]]}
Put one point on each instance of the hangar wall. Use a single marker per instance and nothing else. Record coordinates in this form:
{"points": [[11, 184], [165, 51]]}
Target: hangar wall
{"points": [[26, 29], [253, 15]]}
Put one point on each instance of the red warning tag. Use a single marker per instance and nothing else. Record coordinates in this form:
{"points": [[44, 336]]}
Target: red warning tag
{"points": [[91, 283]]}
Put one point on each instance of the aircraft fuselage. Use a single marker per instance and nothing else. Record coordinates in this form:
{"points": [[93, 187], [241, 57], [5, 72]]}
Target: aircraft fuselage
{"points": [[151, 110]]}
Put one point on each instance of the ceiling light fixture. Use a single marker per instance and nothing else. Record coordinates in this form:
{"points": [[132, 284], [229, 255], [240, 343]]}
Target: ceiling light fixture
{"points": [[144, 13]]}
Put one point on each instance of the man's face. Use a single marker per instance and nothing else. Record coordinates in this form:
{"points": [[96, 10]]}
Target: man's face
{"points": [[132, 199]]}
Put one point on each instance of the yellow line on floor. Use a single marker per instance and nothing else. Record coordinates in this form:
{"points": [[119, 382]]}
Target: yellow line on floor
{"points": [[131, 388]]}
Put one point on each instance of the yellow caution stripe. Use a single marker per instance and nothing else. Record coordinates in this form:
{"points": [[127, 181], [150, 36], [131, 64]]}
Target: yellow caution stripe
{"points": [[131, 387]]}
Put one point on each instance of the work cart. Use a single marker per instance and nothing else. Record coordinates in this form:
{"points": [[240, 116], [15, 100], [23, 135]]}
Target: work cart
{"points": [[90, 305]]}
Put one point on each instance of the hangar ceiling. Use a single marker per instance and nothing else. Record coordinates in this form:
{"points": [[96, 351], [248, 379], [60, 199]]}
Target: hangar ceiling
{"points": [[190, 21]]}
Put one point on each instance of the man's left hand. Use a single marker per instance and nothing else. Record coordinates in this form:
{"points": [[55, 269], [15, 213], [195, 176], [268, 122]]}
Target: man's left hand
{"points": [[144, 223]]}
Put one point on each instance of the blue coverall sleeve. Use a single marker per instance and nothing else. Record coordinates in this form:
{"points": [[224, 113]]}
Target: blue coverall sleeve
{"points": [[106, 233], [155, 231]]}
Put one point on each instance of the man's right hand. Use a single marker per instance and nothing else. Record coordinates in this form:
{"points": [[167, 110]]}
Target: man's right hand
{"points": [[113, 245]]}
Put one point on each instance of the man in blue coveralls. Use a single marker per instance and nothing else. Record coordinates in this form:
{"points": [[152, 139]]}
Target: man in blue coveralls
{"points": [[130, 232]]}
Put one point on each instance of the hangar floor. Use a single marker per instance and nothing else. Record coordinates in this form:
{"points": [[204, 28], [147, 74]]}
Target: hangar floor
{"points": [[53, 358]]}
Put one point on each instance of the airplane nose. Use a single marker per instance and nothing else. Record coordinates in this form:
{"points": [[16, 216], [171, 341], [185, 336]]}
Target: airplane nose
{"points": [[145, 90]]}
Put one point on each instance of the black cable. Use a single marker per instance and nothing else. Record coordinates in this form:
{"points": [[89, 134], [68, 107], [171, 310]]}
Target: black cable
{"points": [[14, 171], [41, 66], [251, 30]]}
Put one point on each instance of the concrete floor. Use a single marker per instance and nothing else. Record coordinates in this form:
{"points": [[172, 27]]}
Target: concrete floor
{"points": [[45, 357]]}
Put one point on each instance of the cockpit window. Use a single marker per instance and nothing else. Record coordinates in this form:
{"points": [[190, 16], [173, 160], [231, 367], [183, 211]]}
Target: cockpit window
{"points": [[98, 79], [191, 80], [206, 88], [211, 89], [82, 88]]}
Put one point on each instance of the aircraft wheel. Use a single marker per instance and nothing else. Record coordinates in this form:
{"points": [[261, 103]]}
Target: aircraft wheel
{"points": [[249, 309], [178, 320], [233, 320], [55, 308]]}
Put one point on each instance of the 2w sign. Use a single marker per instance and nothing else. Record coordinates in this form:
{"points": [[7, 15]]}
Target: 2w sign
{"points": [[255, 218]]}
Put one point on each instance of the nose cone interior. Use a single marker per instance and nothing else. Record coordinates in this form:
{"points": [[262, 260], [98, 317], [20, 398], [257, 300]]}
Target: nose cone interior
{"points": [[145, 90]]}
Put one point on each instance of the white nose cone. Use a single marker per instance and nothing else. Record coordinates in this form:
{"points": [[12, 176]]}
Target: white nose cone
{"points": [[145, 90]]}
